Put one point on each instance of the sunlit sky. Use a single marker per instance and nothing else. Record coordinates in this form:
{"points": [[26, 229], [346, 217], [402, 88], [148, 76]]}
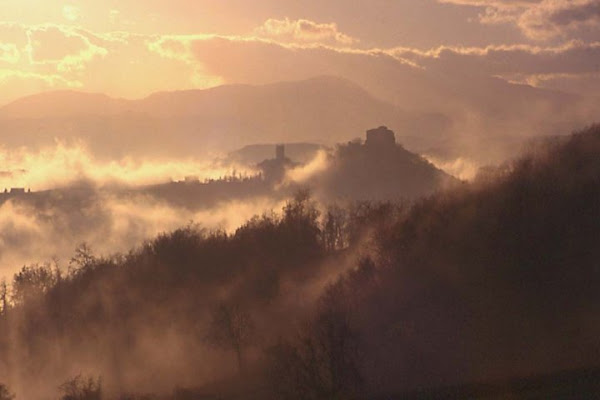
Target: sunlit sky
{"points": [[130, 48]]}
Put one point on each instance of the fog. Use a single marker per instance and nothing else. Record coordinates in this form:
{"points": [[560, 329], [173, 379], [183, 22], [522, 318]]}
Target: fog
{"points": [[462, 167], [63, 164], [299, 200], [77, 198], [311, 297]]}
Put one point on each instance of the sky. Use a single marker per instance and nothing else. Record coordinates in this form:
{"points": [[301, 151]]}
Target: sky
{"points": [[130, 48]]}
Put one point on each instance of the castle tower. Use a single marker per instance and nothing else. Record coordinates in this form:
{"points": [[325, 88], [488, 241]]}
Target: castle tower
{"points": [[280, 152], [381, 137]]}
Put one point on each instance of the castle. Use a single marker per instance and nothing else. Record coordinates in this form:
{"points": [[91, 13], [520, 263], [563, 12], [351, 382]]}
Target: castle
{"points": [[273, 170], [381, 137]]}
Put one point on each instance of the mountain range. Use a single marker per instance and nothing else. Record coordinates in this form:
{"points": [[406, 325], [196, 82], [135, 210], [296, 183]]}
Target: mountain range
{"points": [[324, 110], [429, 113]]}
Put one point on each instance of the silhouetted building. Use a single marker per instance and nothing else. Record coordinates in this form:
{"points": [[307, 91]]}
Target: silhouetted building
{"points": [[192, 179], [280, 152], [380, 137], [273, 170], [13, 192]]}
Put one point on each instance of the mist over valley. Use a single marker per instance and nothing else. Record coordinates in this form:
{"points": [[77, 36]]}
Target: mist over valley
{"points": [[299, 201]]}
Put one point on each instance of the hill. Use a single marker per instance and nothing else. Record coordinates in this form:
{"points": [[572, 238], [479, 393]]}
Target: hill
{"points": [[482, 284], [189, 123], [378, 169]]}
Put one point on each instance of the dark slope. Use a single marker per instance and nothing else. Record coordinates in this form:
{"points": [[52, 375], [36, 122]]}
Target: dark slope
{"points": [[369, 172], [492, 280], [484, 283]]}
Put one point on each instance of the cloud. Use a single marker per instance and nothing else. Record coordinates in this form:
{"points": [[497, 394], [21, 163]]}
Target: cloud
{"points": [[9, 53], [303, 31], [303, 173], [571, 57], [16, 80], [92, 203], [61, 165], [552, 18], [492, 3], [221, 56], [65, 47], [134, 65], [51, 229], [178, 48], [39, 57], [461, 167], [578, 83], [496, 11], [71, 12], [539, 19]]}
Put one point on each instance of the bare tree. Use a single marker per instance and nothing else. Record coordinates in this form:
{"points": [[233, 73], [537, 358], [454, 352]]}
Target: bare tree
{"points": [[334, 227], [83, 258], [231, 328], [80, 388], [31, 282]]}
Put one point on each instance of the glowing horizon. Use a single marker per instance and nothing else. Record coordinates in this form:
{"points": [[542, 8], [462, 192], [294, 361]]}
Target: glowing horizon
{"points": [[130, 50]]}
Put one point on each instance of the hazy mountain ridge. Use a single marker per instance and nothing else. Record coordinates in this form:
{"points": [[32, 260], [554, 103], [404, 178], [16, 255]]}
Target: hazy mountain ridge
{"points": [[323, 109], [188, 123], [447, 114]]}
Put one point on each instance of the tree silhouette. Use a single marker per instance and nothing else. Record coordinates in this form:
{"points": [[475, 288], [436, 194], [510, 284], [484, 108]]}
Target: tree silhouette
{"points": [[32, 282], [5, 394], [231, 328], [334, 228], [80, 388], [3, 297]]}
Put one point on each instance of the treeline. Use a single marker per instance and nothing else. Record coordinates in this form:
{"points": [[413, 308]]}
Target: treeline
{"points": [[190, 306], [485, 282]]}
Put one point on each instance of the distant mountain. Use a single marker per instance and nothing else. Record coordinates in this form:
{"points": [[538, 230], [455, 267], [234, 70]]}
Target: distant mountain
{"points": [[61, 104], [376, 169], [323, 110], [489, 115]]}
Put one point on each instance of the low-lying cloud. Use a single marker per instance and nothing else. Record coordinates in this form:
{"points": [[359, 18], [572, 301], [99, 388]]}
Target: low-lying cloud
{"points": [[52, 228], [63, 164], [303, 173], [77, 198]]}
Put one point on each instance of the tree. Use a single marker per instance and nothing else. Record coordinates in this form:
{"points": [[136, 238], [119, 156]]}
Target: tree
{"points": [[334, 228], [323, 363], [3, 297], [80, 388], [5, 394], [83, 258], [32, 281], [231, 328], [299, 228]]}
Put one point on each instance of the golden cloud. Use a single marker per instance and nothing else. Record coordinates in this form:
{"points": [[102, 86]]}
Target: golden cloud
{"points": [[9, 53], [539, 19], [303, 31], [65, 47]]}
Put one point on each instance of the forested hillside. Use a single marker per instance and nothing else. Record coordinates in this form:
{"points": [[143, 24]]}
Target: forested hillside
{"points": [[486, 282]]}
